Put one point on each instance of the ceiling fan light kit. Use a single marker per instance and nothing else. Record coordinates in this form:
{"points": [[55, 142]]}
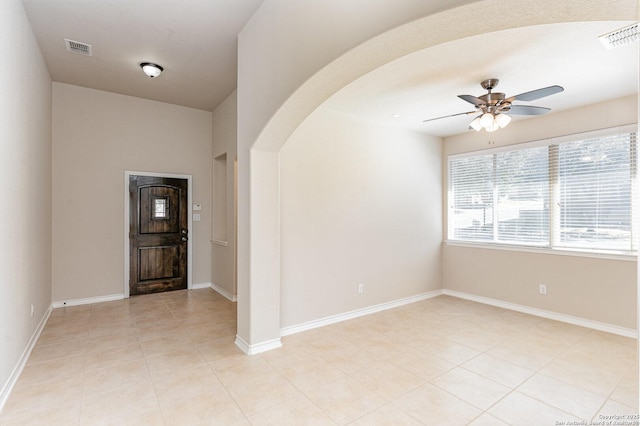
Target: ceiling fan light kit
{"points": [[496, 109], [502, 120], [490, 122]]}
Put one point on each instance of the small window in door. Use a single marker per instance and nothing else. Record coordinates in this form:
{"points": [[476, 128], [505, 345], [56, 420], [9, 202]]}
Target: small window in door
{"points": [[160, 208]]}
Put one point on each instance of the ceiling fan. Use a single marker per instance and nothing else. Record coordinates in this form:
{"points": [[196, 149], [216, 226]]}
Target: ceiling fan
{"points": [[495, 109]]}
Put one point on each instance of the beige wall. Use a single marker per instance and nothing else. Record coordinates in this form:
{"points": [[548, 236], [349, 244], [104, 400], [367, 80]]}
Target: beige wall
{"points": [[274, 101], [25, 173], [97, 136], [597, 289], [282, 46], [286, 42], [602, 290], [223, 259], [360, 204]]}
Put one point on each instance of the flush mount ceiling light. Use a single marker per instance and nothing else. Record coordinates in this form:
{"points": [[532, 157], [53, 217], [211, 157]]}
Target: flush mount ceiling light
{"points": [[150, 69]]}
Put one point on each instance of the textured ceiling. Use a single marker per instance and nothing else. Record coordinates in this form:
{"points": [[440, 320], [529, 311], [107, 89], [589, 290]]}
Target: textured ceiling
{"points": [[196, 42], [426, 84]]}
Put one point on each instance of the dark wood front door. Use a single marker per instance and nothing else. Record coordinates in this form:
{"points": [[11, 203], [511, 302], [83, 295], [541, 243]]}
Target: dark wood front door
{"points": [[158, 234]]}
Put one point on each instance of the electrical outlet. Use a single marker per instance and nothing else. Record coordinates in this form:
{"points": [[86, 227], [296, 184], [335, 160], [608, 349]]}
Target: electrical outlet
{"points": [[360, 288], [542, 289]]}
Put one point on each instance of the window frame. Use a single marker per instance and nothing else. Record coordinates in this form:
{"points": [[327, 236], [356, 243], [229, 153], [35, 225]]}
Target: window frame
{"points": [[549, 247]]}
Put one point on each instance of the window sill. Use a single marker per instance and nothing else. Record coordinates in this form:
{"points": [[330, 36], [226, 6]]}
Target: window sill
{"points": [[613, 255]]}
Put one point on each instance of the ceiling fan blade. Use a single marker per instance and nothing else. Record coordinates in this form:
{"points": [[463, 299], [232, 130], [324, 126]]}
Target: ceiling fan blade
{"points": [[447, 116], [472, 99], [527, 110], [536, 94]]}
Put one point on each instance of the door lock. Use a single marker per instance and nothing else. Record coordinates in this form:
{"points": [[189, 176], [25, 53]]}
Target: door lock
{"points": [[183, 239]]}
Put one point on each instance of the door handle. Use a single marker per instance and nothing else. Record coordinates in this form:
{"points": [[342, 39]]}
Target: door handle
{"points": [[184, 231], [183, 239]]}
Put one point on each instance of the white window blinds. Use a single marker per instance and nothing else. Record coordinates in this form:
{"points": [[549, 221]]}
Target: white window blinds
{"points": [[596, 192], [522, 180], [574, 194], [471, 182]]}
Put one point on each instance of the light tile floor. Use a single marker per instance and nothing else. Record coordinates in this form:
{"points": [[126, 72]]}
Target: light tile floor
{"points": [[170, 359]]}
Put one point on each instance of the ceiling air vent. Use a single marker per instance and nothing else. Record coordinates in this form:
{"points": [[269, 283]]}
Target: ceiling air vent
{"points": [[616, 38], [78, 47]]}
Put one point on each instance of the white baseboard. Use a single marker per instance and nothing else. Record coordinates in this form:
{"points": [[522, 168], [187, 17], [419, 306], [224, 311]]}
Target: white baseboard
{"points": [[112, 297], [198, 286], [293, 329], [258, 347], [88, 300], [15, 374], [225, 293], [582, 322]]}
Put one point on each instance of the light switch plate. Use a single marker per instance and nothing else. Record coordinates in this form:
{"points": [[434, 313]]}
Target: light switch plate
{"points": [[196, 217], [197, 207]]}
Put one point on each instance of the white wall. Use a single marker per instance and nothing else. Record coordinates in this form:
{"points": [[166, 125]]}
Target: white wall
{"points": [[97, 136], [25, 173], [223, 269], [597, 289], [360, 203]]}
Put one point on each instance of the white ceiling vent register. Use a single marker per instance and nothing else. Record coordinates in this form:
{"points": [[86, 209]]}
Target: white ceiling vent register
{"points": [[78, 47], [616, 38]]}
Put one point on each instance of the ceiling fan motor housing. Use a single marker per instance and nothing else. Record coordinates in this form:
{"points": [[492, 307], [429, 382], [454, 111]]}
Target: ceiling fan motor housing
{"points": [[493, 102]]}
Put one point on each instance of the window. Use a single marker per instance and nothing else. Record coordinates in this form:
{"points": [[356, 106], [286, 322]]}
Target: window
{"points": [[160, 208], [561, 194], [595, 192], [523, 196], [471, 188]]}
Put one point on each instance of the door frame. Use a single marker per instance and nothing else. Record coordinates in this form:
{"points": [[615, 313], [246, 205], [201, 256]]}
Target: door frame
{"points": [[127, 262]]}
